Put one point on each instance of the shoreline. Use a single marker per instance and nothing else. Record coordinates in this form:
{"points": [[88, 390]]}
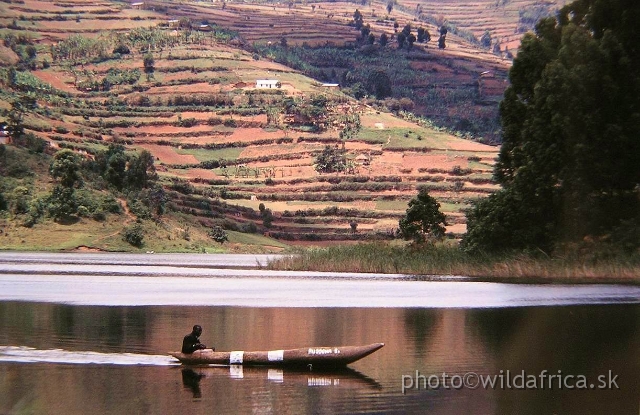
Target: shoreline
{"points": [[440, 259], [201, 265]]}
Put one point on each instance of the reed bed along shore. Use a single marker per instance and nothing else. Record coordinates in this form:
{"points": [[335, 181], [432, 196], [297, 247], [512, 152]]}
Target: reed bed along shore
{"points": [[444, 260]]}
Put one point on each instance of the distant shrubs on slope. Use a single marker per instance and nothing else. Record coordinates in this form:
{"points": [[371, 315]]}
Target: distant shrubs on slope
{"points": [[134, 235]]}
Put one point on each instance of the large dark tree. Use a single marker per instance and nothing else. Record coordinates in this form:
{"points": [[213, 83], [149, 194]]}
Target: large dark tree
{"points": [[570, 160]]}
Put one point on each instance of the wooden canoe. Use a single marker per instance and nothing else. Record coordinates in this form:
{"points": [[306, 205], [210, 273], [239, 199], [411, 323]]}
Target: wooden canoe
{"points": [[315, 356]]}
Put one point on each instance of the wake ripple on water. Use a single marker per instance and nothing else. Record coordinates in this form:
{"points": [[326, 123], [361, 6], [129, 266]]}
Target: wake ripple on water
{"points": [[24, 354]]}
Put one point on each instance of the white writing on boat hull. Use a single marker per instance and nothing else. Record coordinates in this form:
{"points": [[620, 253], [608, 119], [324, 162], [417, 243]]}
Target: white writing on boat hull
{"points": [[323, 350], [275, 355], [236, 357]]}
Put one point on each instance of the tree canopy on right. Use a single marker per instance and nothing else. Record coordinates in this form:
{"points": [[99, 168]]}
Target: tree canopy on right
{"points": [[570, 159]]}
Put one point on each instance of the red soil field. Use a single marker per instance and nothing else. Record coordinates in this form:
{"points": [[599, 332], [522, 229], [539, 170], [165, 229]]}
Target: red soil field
{"points": [[167, 155]]}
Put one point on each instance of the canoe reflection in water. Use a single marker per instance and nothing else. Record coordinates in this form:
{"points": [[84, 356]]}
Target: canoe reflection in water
{"points": [[339, 378]]}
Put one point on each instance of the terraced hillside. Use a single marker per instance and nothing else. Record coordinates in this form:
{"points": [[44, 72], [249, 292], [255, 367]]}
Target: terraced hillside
{"points": [[229, 153], [458, 87], [505, 20]]}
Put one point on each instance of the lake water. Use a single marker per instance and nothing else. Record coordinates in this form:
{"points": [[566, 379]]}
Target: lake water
{"points": [[70, 354], [66, 359]]}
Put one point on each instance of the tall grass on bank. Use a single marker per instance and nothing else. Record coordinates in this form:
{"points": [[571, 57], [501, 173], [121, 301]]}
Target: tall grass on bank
{"points": [[441, 259]]}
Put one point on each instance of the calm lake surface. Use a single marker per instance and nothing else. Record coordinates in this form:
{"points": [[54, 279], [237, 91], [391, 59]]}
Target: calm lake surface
{"points": [[75, 354]]}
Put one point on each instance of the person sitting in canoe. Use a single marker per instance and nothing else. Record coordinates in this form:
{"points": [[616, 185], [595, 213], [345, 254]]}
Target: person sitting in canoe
{"points": [[191, 341]]}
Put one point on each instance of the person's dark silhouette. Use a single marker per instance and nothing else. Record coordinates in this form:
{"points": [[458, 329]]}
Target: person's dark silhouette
{"points": [[191, 341]]}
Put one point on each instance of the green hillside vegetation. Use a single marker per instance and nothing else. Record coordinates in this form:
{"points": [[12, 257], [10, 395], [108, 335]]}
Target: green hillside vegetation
{"points": [[220, 146]]}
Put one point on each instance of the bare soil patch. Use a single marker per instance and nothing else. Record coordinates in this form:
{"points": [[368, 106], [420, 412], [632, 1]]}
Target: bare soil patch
{"points": [[84, 248], [458, 228], [432, 161], [468, 145], [268, 150], [369, 120], [198, 174], [253, 134], [56, 79], [284, 170], [163, 129], [195, 88], [78, 6], [7, 56], [360, 146], [167, 155]]}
